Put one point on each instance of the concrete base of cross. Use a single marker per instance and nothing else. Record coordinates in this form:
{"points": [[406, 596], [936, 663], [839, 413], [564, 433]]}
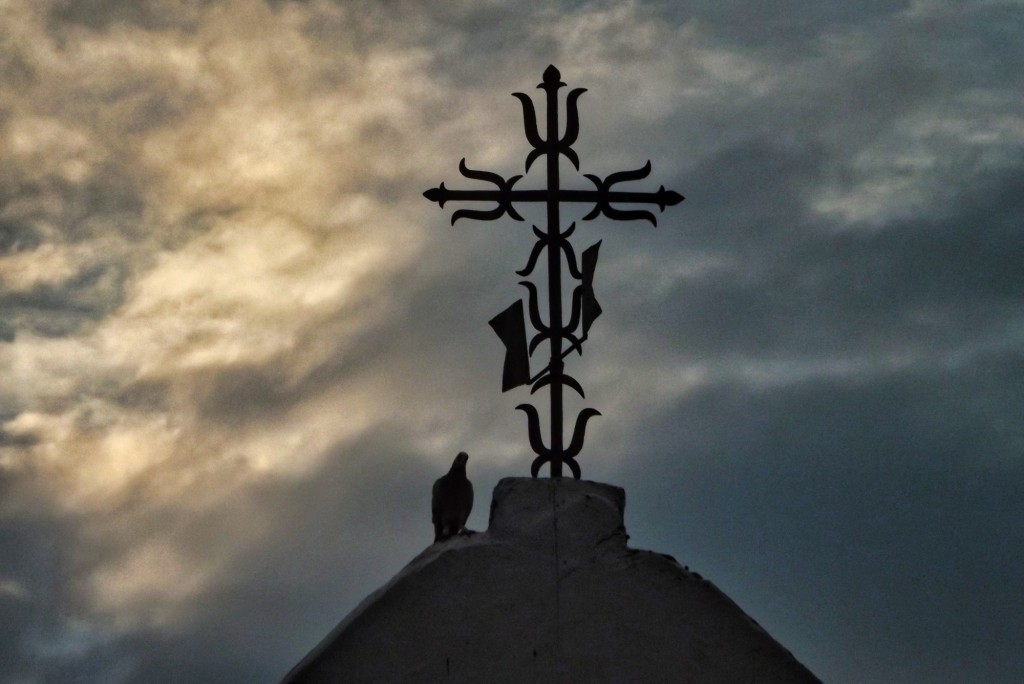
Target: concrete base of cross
{"points": [[549, 593]]}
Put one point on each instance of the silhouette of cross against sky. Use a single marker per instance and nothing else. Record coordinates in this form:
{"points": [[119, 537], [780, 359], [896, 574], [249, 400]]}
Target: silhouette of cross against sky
{"points": [[565, 334]]}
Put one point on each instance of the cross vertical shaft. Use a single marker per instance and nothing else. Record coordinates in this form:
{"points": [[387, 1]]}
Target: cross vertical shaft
{"points": [[554, 273]]}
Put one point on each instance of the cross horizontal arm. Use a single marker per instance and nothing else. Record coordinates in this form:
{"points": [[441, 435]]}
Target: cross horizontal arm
{"points": [[663, 197], [505, 198]]}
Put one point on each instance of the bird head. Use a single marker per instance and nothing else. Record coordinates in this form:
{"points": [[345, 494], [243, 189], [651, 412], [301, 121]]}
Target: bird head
{"points": [[460, 461]]}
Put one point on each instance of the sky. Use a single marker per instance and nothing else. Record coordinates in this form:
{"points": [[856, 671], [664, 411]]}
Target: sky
{"points": [[237, 344]]}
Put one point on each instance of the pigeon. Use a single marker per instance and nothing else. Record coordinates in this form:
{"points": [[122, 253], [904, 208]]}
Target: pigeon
{"points": [[452, 500]]}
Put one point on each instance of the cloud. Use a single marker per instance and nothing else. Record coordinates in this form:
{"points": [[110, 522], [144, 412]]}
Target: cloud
{"points": [[237, 343], [860, 486]]}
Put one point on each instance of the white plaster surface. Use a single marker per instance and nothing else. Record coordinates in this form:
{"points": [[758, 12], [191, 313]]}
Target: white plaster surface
{"points": [[549, 593]]}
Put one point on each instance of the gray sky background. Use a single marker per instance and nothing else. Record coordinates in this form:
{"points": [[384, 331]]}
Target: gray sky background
{"points": [[237, 344]]}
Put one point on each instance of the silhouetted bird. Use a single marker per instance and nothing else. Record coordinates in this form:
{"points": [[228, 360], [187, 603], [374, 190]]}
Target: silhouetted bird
{"points": [[452, 500]]}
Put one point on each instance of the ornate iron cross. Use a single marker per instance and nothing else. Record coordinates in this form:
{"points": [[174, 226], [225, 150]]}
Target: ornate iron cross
{"points": [[510, 324]]}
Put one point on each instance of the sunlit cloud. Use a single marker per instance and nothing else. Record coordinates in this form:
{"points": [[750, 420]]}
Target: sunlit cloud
{"points": [[255, 161]]}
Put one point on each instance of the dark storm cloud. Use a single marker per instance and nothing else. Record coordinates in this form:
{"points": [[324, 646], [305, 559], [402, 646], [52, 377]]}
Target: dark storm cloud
{"points": [[7, 439], [52, 311], [32, 581], [883, 497], [795, 281], [18, 235], [790, 25], [108, 203], [934, 280]]}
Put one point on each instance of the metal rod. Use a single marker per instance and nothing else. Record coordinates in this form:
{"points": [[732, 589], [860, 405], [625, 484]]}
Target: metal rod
{"points": [[554, 280]]}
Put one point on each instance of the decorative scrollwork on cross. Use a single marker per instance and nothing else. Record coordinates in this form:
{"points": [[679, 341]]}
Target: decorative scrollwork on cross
{"points": [[563, 337]]}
